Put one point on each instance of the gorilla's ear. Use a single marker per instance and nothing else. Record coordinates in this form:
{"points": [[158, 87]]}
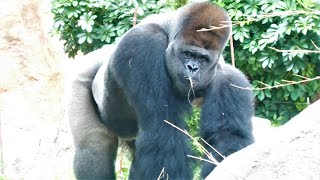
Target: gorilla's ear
{"points": [[205, 15]]}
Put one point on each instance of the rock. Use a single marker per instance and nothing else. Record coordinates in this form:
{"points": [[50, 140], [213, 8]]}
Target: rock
{"points": [[36, 143], [261, 129], [290, 152]]}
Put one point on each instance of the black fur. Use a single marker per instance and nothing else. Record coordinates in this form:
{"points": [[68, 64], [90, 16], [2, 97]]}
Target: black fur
{"points": [[226, 114], [145, 82]]}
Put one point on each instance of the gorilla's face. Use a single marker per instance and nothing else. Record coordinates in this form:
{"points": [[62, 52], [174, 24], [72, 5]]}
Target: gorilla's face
{"points": [[189, 66]]}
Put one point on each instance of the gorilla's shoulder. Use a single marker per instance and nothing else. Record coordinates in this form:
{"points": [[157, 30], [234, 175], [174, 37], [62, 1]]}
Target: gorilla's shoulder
{"points": [[84, 67], [231, 74]]}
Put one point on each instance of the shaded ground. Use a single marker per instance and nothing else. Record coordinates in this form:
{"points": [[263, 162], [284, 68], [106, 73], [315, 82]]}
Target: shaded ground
{"points": [[35, 139]]}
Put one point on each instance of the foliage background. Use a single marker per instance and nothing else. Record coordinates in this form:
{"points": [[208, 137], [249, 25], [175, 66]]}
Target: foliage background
{"points": [[262, 64], [89, 24]]}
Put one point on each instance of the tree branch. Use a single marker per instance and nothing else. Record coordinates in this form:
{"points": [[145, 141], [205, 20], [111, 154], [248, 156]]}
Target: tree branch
{"points": [[280, 85], [296, 50]]}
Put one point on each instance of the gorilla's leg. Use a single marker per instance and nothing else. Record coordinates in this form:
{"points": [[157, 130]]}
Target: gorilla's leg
{"points": [[226, 114], [95, 156], [95, 145]]}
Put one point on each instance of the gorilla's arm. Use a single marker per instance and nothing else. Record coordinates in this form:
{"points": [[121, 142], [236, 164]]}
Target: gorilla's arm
{"points": [[138, 67], [226, 114]]}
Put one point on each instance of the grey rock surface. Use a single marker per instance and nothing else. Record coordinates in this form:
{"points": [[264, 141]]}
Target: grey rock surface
{"points": [[289, 152]]}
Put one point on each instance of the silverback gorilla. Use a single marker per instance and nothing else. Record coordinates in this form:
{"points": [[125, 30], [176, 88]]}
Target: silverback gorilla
{"points": [[147, 80]]}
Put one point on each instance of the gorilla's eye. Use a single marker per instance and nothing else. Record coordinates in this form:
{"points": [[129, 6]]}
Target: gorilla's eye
{"points": [[188, 54], [203, 58], [196, 56]]}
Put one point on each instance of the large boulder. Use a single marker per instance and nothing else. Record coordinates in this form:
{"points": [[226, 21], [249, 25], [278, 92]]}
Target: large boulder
{"points": [[289, 152]]}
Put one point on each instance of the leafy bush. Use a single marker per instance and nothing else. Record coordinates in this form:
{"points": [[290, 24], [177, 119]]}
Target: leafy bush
{"points": [[253, 41], [87, 25], [175, 4]]}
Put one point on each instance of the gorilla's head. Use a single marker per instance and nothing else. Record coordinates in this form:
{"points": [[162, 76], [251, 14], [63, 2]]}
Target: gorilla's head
{"points": [[192, 56], [187, 63]]}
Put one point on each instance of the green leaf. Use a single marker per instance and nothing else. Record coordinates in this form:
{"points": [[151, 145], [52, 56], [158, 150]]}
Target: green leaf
{"points": [[265, 63], [289, 67], [89, 39], [290, 88], [256, 92], [82, 39], [261, 95], [267, 93], [294, 95]]}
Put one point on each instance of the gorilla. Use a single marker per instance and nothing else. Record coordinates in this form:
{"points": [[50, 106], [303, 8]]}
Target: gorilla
{"points": [[153, 74]]}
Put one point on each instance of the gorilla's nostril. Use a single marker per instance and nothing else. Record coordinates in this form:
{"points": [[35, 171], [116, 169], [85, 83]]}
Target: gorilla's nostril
{"points": [[192, 67]]}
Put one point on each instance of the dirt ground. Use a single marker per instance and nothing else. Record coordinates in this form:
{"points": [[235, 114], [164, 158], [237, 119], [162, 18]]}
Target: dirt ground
{"points": [[36, 143]]}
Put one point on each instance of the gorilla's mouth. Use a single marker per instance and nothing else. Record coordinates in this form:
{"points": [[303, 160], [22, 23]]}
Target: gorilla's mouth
{"points": [[188, 86], [191, 93], [191, 81]]}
